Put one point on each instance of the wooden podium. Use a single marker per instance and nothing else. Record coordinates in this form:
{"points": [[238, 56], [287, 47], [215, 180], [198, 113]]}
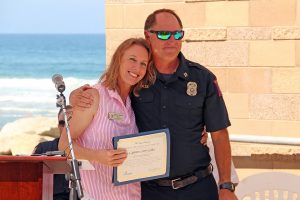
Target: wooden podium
{"points": [[30, 177]]}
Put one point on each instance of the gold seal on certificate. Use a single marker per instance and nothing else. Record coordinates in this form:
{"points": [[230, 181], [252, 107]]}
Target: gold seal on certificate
{"points": [[148, 156]]}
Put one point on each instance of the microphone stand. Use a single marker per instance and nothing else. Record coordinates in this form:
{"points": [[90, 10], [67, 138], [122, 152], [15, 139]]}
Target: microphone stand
{"points": [[76, 188]]}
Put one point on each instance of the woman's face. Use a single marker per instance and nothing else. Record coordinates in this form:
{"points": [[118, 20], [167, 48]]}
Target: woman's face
{"points": [[133, 65]]}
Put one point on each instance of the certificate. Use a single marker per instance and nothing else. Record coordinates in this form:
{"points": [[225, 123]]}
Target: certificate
{"points": [[148, 156]]}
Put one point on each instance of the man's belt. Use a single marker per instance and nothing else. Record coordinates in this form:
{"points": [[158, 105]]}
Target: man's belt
{"points": [[185, 181]]}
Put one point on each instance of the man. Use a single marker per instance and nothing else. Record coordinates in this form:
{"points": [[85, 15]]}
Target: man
{"points": [[185, 98], [60, 184]]}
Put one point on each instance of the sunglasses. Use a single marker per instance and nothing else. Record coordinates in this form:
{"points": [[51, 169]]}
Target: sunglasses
{"points": [[61, 122], [165, 35]]}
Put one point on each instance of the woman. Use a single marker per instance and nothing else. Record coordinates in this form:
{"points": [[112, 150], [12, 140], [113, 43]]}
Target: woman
{"points": [[110, 115]]}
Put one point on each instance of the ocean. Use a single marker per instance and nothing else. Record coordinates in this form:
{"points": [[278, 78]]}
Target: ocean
{"points": [[28, 62]]}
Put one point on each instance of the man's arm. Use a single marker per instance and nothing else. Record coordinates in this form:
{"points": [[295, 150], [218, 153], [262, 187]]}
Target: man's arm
{"points": [[38, 149], [222, 150], [43, 147]]}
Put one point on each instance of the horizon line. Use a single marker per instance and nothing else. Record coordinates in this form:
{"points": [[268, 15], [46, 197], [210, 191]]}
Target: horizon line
{"points": [[100, 33]]}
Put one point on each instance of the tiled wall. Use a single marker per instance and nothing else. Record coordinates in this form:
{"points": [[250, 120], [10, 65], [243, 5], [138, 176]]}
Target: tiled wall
{"points": [[253, 46]]}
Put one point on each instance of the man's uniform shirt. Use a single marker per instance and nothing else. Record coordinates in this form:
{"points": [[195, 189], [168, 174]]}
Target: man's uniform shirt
{"points": [[184, 102]]}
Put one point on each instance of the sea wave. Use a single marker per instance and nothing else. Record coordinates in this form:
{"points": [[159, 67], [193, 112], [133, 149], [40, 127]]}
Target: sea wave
{"points": [[8, 110], [24, 91], [40, 84], [23, 97]]}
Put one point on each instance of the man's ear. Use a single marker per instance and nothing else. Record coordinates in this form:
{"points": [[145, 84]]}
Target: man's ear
{"points": [[146, 34]]}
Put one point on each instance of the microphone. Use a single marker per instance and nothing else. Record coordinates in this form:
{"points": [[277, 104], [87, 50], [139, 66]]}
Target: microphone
{"points": [[76, 188], [57, 79]]}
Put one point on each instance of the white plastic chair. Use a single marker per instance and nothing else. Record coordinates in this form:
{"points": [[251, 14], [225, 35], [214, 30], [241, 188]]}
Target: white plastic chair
{"points": [[269, 186]]}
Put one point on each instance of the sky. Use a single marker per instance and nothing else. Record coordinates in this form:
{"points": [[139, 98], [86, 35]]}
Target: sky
{"points": [[52, 16]]}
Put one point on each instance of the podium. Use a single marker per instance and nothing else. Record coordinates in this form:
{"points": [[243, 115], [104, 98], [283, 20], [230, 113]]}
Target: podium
{"points": [[30, 177]]}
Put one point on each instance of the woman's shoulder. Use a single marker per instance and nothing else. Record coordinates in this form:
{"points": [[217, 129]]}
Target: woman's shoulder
{"points": [[94, 92], [98, 86]]}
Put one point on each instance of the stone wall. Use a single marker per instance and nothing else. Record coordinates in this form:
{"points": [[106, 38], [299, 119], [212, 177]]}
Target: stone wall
{"points": [[253, 46]]}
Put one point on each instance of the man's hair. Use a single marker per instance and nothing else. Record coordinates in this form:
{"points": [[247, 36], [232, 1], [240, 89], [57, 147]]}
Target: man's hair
{"points": [[110, 76], [61, 110], [150, 21]]}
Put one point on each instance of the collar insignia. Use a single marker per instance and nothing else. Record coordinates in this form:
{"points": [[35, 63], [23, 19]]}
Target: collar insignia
{"points": [[145, 86]]}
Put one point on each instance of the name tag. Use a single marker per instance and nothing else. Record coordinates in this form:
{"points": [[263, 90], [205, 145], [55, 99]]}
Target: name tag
{"points": [[115, 116]]}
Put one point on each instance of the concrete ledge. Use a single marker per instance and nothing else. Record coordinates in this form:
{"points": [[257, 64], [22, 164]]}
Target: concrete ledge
{"points": [[265, 156], [268, 161]]}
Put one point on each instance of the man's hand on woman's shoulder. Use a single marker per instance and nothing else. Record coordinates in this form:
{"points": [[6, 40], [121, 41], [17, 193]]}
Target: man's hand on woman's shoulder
{"points": [[81, 97]]}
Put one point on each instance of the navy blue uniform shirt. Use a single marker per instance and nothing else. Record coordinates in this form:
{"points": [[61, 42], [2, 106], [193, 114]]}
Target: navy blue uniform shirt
{"points": [[186, 102]]}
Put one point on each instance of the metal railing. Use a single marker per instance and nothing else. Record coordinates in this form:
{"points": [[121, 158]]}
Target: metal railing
{"points": [[264, 139]]}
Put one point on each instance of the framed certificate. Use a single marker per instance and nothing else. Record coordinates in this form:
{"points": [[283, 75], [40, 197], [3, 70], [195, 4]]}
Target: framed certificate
{"points": [[148, 156]]}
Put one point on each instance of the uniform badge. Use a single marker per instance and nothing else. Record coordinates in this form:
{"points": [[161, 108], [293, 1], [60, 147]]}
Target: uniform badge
{"points": [[191, 89], [115, 116]]}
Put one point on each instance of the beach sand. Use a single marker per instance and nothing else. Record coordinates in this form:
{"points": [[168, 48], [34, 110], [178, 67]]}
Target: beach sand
{"points": [[22, 135]]}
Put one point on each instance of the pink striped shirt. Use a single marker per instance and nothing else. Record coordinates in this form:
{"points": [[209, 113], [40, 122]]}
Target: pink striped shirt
{"points": [[98, 135]]}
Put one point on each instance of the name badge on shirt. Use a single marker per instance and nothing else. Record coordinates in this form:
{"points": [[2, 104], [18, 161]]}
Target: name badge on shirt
{"points": [[145, 86], [115, 116]]}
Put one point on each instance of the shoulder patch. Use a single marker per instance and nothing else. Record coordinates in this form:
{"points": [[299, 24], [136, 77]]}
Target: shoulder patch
{"points": [[217, 87]]}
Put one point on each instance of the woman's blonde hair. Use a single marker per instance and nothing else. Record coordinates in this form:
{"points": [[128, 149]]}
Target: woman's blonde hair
{"points": [[110, 76]]}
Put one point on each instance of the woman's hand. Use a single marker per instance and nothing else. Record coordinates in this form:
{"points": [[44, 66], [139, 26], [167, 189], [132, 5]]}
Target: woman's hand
{"points": [[204, 137], [81, 98], [112, 157]]}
